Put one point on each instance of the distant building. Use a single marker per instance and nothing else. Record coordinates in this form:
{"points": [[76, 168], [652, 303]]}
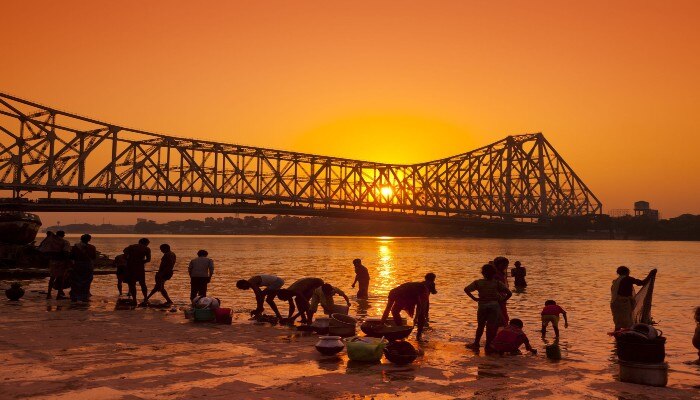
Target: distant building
{"points": [[642, 209]]}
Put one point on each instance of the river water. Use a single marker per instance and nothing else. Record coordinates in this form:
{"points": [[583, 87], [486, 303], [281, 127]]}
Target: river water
{"points": [[575, 273]]}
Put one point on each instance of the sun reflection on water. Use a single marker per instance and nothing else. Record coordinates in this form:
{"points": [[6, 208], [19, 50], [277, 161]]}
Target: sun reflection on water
{"points": [[386, 272]]}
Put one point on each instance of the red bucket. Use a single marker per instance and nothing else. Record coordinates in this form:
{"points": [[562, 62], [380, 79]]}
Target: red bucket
{"points": [[223, 316]]}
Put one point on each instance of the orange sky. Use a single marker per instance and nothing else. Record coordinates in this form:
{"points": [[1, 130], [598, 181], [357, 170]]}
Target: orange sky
{"points": [[615, 88]]}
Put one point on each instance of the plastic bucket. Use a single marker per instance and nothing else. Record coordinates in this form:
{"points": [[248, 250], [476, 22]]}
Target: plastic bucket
{"points": [[644, 374], [641, 350], [203, 315], [364, 349], [223, 316]]}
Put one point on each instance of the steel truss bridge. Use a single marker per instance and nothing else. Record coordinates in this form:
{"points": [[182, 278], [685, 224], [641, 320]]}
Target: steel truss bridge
{"points": [[52, 160]]}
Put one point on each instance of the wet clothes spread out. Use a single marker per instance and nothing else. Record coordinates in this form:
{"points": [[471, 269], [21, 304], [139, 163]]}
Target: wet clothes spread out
{"points": [[519, 274]]}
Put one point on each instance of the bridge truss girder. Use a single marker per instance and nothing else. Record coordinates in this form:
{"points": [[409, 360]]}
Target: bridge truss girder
{"points": [[72, 158]]}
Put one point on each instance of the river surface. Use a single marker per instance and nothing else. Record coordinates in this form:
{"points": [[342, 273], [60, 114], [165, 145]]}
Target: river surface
{"points": [[575, 273]]}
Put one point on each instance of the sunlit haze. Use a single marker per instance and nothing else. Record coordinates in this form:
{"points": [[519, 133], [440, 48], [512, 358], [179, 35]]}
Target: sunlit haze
{"points": [[613, 86]]}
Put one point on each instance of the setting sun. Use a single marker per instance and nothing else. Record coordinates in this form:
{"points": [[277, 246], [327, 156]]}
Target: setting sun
{"points": [[387, 191]]}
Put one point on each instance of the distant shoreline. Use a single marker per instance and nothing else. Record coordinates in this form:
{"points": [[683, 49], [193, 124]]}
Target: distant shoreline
{"points": [[684, 228]]}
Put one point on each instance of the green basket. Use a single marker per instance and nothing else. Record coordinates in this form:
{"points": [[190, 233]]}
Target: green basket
{"points": [[203, 315], [365, 348]]}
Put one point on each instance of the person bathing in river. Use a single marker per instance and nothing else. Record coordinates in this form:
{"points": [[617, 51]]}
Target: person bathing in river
{"points": [[696, 337], [361, 277], [299, 293], [57, 249], [137, 255], [271, 284], [324, 296], [430, 284], [201, 269], [518, 273], [488, 314], [165, 272], [622, 300], [501, 264], [120, 270], [550, 314], [83, 255], [412, 297], [510, 338]]}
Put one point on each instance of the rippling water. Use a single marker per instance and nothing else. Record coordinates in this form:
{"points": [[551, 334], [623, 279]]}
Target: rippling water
{"points": [[575, 273]]}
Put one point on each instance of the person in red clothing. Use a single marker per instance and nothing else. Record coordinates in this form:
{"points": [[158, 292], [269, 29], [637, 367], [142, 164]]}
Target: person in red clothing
{"points": [[510, 338], [550, 313]]}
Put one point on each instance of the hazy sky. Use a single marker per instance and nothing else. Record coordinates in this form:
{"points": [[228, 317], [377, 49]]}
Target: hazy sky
{"points": [[614, 87]]}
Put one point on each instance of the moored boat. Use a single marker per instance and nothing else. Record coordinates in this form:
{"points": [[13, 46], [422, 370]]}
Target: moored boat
{"points": [[18, 227]]}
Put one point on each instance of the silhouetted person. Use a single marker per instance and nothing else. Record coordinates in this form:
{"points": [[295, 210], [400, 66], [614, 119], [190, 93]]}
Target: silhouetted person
{"points": [[696, 337], [430, 284], [201, 270], [361, 277], [137, 255], [510, 338], [299, 293], [83, 255], [622, 300], [488, 314], [57, 249], [324, 296], [120, 267], [550, 314], [411, 297], [165, 272], [271, 285], [501, 264], [518, 273]]}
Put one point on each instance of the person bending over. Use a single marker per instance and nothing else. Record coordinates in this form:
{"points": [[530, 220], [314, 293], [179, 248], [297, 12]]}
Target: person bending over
{"points": [[510, 338], [324, 296], [550, 314], [299, 293], [411, 297], [271, 284]]}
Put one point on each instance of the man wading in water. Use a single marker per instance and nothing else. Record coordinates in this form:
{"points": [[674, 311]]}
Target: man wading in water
{"points": [[361, 277], [622, 301], [137, 255], [165, 272]]}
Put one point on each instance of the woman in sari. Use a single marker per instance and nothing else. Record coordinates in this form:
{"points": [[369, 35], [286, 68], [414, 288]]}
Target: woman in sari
{"points": [[622, 300]]}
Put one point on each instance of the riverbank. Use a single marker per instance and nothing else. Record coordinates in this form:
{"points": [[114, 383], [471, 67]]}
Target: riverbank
{"points": [[53, 349]]}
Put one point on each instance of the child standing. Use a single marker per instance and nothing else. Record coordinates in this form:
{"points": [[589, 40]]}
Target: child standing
{"points": [[510, 338], [550, 313]]}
